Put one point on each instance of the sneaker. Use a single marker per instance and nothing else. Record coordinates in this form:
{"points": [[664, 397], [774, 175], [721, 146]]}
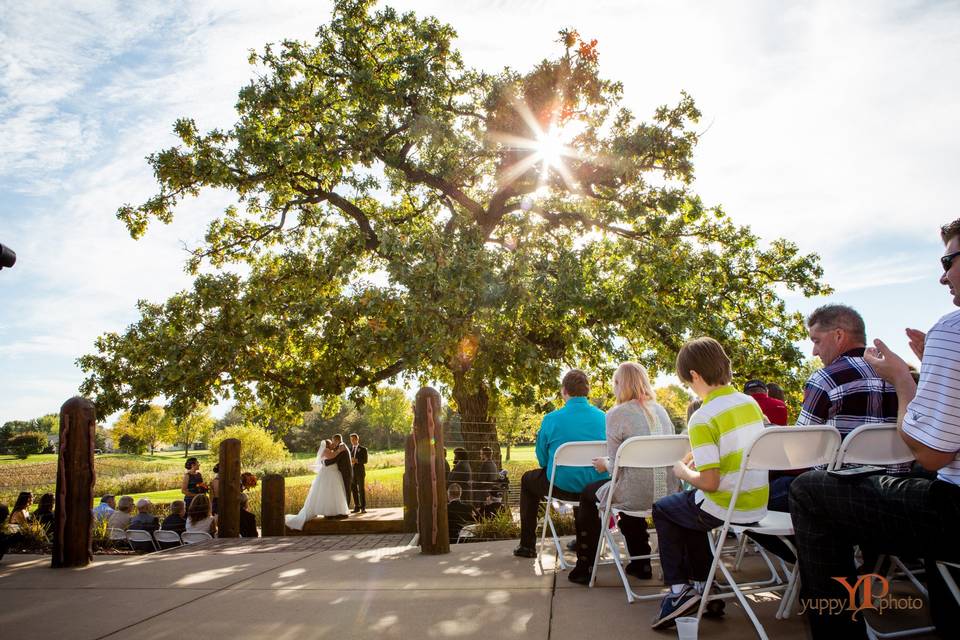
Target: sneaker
{"points": [[525, 552], [675, 605], [715, 609]]}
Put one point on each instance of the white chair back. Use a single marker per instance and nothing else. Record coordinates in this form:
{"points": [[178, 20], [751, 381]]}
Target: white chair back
{"points": [[579, 454], [878, 444], [650, 452], [192, 537], [116, 533], [782, 448], [137, 535], [166, 537]]}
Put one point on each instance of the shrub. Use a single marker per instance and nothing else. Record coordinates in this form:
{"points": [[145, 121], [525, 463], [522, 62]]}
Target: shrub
{"points": [[257, 446], [498, 527], [27, 444]]}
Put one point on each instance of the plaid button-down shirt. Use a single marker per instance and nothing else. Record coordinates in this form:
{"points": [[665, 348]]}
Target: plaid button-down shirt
{"points": [[848, 393]]}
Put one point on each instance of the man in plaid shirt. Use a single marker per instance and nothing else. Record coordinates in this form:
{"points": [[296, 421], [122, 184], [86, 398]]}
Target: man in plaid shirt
{"points": [[847, 392]]}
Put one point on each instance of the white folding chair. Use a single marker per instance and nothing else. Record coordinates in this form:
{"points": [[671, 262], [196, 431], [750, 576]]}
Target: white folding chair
{"points": [[466, 532], [117, 534], [881, 445], [774, 449], [570, 454], [193, 537], [944, 567], [639, 452], [136, 535], [167, 539]]}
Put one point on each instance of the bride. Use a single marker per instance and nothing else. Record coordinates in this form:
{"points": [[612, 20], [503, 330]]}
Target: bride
{"points": [[327, 496]]}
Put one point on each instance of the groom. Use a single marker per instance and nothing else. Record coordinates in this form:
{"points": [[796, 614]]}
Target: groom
{"points": [[343, 462]]}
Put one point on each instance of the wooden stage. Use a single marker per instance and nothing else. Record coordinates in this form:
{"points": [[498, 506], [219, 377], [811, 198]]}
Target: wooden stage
{"points": [[374, 521]]}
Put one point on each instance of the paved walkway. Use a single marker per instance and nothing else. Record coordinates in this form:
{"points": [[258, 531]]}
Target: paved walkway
{"points": [[334, 587]]}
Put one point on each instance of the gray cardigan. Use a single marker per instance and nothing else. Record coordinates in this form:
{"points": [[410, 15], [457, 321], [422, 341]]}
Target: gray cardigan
{"points": [[636, 489]]}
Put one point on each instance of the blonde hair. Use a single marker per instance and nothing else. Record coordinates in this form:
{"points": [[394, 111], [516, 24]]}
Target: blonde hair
{"points": [[634, 385]]}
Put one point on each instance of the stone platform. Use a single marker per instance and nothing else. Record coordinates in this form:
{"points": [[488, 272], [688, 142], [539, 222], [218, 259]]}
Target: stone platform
{"points": [[373, 522]]}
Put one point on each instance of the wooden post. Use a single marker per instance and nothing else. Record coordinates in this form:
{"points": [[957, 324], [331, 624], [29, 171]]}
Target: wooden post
{"points": [[76, 475], [409, 486], [228, 519], [272, 506], [431, 478]]}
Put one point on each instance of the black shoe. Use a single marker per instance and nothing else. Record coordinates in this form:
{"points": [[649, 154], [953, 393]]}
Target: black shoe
{"points": [[363, 510], [581, 573], [675, 605], [572, 545], [355, 511], [640, 569], [715, 609], [525, 552]]}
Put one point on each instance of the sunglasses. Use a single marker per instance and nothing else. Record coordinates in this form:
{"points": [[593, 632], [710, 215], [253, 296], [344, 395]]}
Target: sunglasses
{"points": [[947, 261]]}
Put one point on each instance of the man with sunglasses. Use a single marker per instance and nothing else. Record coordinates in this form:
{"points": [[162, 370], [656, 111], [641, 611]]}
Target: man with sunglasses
{"points": [[888, 514]]}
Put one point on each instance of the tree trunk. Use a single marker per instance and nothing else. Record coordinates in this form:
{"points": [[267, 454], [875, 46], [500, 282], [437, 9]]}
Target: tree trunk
{"points": [[508, 452], [477, 426], [76, 476]]}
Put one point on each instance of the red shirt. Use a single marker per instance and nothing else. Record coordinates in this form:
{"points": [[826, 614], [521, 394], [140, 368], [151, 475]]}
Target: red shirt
{"points": [[775, 410]]}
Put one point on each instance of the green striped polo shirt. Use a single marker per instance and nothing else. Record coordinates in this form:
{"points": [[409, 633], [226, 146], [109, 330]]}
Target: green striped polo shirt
{"points": [[719, 432]]}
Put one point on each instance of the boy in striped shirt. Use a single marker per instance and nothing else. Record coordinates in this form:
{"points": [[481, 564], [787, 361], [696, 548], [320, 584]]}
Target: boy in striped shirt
{"points": [[719, 432]]}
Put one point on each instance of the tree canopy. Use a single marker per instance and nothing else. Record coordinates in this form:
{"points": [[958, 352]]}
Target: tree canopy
{"points": [[399, 214]]}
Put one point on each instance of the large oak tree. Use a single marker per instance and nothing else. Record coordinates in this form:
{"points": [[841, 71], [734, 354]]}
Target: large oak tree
{"points": [[401, 214]]}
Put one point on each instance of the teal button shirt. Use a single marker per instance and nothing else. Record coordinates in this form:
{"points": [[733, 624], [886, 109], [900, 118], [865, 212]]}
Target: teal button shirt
{"points": [[576, 421]]}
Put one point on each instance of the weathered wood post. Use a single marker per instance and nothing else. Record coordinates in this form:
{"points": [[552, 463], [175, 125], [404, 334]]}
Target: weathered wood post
{"points": [[410, 485], [76, 475], [228, 519], [272, 505], [431, 479]]}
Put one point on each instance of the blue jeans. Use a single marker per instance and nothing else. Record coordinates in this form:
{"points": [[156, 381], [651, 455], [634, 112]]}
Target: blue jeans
{"points": [[682, 528]]}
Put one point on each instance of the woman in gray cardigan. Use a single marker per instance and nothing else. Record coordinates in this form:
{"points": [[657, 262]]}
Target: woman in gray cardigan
{"points": [[636, 414]]}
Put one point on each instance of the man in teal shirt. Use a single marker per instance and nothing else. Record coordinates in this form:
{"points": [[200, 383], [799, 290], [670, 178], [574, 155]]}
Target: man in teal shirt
{"points": [[576, 421]]}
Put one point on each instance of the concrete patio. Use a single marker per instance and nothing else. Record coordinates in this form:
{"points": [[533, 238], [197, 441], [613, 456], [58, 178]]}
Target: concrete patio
{"points": [[334, 586]]}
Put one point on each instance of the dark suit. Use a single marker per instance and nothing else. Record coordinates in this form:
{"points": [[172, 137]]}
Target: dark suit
{"points": [[248, 525], [458, 514], [359, 475], [342, 460]]}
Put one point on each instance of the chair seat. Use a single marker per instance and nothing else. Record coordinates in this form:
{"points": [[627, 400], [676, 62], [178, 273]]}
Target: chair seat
{"points": [[775, 523], [632, 514]]}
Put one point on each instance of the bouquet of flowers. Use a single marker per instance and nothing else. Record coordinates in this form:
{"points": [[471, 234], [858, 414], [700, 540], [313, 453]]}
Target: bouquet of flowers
{"points": [[247, 481], [201, 487]]}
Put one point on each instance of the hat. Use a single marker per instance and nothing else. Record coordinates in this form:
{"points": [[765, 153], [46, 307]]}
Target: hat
{"points": [[754, 385]]}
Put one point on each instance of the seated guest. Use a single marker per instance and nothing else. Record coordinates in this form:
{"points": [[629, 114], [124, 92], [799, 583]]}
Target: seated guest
{"points": [[6, 538], [576, 421], [199, 517], [21, 509], [44, 512], [459, 513], [487, 477], [492, 505], [902, 516], [635, 414], [176, 521], [719, 431], [215, 489], [462, 472], [144, 520], [106, 507], [775, 410], [120, 519], [776, 392], [248, 521]]}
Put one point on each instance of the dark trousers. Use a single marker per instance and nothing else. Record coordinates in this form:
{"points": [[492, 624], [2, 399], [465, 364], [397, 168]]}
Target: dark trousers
{"points": [[634, 529], [900, 516], [533, 489], [682, 528], [358, 490]]}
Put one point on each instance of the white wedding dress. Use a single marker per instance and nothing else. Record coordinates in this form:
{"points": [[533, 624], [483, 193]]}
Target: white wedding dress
{"points": [[327, 496]]}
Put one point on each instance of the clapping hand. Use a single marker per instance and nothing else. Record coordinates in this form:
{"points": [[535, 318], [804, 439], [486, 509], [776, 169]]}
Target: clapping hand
{"points": [[885, 362], [917, 339]]}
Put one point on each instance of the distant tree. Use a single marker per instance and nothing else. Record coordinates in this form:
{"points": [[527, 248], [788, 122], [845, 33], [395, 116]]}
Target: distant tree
{"points": [[257, 445], [100, 437], [388, 413], [675, 398], [49, 423], [153, 428], [516, 424], [27, 443], [196, 426], [231, 417]]}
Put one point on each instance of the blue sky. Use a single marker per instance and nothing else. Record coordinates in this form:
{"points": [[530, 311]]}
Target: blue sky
{"points": [[832, 124]]}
